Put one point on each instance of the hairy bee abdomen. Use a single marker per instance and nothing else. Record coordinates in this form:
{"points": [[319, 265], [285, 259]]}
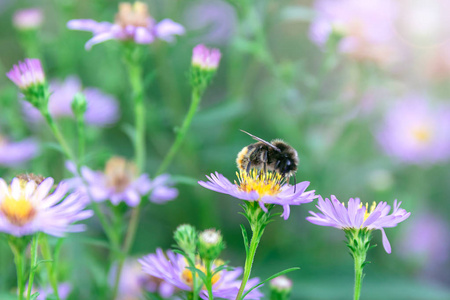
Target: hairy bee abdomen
{"points": [[242, 159]]}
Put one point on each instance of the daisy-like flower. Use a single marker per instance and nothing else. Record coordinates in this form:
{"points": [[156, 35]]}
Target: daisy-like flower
{"points": [[173, 269], [266, 188], [367, 27], [134, 282], [414, 132], [357, 216], [27, 19], [102, 109], [120, 182], [132, 22], [27, 74], [206, 58], [15, 153], [27, 207]]}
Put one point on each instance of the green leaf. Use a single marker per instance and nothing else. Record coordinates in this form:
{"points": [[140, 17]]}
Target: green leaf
{"points": [[184, 180], [129, 130], [268, 279], [245, 236], [34, 296]]}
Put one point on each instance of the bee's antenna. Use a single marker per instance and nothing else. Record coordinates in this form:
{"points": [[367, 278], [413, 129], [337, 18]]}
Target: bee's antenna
{"points": [[261, 140]]}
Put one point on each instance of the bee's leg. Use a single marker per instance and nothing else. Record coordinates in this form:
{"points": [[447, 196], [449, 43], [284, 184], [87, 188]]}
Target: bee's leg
{"points": [[248, 167], [295, 183], [265, 162]]}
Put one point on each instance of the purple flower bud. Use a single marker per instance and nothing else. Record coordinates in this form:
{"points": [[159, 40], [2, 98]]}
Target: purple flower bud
{"points": [[206, 58], [28, 18], [27, 73]]}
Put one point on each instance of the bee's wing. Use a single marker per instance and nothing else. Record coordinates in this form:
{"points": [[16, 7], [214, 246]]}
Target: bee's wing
{"points": [[261, 140]]}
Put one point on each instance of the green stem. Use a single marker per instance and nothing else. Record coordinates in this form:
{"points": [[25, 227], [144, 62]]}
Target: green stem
{"points": [[129, 239], [58, 135], [209, 276], [19, 260], [135, 76], [51, 268], [195, 101], [256, 238], [81, 138], [33, 266], [358, 276], [110, 233]]}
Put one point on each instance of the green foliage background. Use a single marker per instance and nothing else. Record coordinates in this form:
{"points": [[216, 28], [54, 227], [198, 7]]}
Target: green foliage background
{"points": [[269, 84]]}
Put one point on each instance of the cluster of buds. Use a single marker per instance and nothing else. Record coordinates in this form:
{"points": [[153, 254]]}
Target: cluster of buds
{"points": [[79, 105], [30, 79], [205, 62], [208, 244]]}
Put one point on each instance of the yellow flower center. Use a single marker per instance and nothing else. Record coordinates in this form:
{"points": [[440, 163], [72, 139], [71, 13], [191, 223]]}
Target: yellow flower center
{"points": [[120, 173], [422, 134], [188, 278], [268, 183], [368, 211], [133, 14], [18, 212]]}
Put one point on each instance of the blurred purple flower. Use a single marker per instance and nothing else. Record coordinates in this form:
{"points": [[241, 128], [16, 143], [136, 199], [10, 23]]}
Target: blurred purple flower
{"points": [[206, 58], [216, 19], [27, 73], [15, 153], [64, 290], [26, 208], [415, 132], [121, 183], [102, 109], [268, 188], [335, 214], [133, 282], [426, 240], [132, 22], [173, 269], [26, 19], [367, 27]]}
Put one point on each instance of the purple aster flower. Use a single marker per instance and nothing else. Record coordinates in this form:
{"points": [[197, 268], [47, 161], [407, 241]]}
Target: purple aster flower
{"points": [[26, 19], [64, 290], [121, 183], [27, 74], [27, 207], [133, 282], [268, 188], [415, 132], [15, 153], [215, 19], [133, 22], [173, 269], [356, 216], [102, 109], [367, 27], [206, 58], [426, 241]]}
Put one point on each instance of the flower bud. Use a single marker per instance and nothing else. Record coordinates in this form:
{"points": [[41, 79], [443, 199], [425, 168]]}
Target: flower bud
{"points": [[186, 237], [79, 105], [30, 79], [210, 244], [28, 19], [205, 62], [280, 288]]}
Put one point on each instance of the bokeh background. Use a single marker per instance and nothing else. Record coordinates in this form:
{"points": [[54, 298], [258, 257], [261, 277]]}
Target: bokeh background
{"points": [[367, 112]]}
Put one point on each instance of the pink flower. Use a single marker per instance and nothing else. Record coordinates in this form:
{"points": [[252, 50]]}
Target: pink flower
{"points": [[27, 73], [28, 18], [133, 22], [206, 58]]}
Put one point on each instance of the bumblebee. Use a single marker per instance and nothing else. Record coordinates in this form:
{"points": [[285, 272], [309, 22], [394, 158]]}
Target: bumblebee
{"points": [[275, 156]]}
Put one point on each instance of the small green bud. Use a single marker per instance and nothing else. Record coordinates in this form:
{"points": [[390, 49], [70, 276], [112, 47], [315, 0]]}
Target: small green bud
{"points": [[186, 237], [280, 288], [210, 244], [79, 105]]}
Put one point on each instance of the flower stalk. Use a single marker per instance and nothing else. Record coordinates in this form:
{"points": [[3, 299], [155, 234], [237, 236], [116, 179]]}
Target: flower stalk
{"points": [[33, 266], [18, 247], [51, 267], [258, 220], [359, 244]]}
